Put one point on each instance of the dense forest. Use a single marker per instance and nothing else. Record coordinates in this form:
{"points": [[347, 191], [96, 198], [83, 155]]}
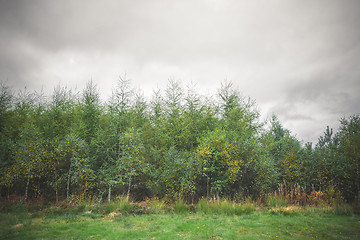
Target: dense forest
{"points": [[176, 144]]}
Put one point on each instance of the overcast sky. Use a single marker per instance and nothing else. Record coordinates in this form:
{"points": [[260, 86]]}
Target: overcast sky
{"points": [[298, 59]]}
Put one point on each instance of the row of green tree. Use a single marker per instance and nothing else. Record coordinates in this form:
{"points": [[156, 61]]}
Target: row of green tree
{"points": [[177, 144]]}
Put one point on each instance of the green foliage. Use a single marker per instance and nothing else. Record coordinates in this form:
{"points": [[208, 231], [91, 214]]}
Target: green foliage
{"points": [[156, 206], [19, 208], [349, 146], [178, 145], [224, 207], [179, 174], [275, 201], [202, 206], [180, 207], [121, 206], [247, 207], [343, 210], [226, 160], [90, 112]]}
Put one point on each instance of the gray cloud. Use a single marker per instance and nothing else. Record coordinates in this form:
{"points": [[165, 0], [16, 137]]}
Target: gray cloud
{"points": [[335, 87], [296, 58], [323, 97]]}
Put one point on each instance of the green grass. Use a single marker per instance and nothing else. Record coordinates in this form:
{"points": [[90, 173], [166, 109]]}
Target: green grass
{"points": [[221, 222]]}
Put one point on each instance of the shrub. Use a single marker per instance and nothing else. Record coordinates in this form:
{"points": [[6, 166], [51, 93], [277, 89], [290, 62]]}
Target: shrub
{"points": [[203, 206], [124, 206], [18, 208], [224, 207], [119, 205], [110, 207], [344, 210], [248, 207], [274, 201], [180, 207], [239, 210], [155, 206]]}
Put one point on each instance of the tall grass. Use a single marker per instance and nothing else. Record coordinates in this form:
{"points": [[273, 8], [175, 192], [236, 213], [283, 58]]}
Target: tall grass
{"points": [[297, 195], [155, 206], [120, 205], [343, 210], [203, 206], [16, 215], [180, 207], [274, 201], [274, 204], [224, 207]]}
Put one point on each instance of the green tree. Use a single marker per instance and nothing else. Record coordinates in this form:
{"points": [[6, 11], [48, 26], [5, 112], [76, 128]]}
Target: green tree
{"points": [[349, 138], [132, 163], [179, 174], [59, 116], [90, 111], [221, 161], [325, 159], [30, 159], [68, 156], [173, 110], [107, 156], [6, 102], [120, 103]]}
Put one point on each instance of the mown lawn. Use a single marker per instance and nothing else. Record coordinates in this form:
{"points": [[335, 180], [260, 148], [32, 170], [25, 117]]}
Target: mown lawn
{"points": [[261, 224]]}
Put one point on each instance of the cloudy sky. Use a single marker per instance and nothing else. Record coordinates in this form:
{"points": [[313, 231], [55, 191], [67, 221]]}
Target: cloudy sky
{"points": [[298, 59]]}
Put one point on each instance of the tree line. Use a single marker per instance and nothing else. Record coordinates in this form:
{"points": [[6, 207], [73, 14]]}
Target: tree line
{"points": [[178, 144]]}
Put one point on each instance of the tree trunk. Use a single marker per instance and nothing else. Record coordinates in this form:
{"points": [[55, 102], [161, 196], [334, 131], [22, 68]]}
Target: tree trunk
{"points": [[109, 194], [56, 188], [68, 183], [358, 184], [128, 192], [27, 187], [207, 187]]}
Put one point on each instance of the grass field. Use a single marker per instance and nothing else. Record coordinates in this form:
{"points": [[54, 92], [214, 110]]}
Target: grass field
{"points": [[275, 223]]}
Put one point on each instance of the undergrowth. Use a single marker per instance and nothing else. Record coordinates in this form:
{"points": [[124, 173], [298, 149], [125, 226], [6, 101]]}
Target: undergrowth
{"points": [[274, 204]]}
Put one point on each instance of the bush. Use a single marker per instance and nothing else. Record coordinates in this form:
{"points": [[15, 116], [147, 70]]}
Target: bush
{"points": [[19, 214], [239, 210], [275, 201], [120, 205], [155, 206], [110, 207], [248, 207], [223, 207], [19, 207], [180, 207], [202, 206], [343, 210], [124, 206]]}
